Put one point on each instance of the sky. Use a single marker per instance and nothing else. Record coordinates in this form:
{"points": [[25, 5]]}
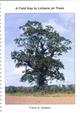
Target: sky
{"points": [[64, 23]]}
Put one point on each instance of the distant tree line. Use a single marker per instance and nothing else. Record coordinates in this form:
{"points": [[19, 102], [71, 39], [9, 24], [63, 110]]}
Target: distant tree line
{"points": [[48, 89]]}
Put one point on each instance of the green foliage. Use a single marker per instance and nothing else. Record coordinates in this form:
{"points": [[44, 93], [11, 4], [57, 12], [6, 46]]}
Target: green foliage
{"points": [[39, 50], [11, 89], [35, 90]]}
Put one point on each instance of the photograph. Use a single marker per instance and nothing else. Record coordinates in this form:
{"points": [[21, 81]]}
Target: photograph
{"points": [[40, 58]]}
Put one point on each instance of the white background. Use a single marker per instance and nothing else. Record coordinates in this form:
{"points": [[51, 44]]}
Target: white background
{"points": [[69, 6]]}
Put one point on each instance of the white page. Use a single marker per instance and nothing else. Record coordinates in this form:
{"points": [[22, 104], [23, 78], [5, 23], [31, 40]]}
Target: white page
{"points": [[11, 13]]}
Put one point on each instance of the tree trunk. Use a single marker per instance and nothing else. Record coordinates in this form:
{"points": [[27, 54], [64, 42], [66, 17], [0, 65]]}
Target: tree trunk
{"points": [[41, 81]]}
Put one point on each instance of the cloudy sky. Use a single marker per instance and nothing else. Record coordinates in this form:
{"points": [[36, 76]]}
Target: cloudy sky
{"points": [[64, 23]]}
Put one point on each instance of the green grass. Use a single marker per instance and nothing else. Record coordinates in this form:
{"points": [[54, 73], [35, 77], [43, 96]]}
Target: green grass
{"points": [[38, 94]]}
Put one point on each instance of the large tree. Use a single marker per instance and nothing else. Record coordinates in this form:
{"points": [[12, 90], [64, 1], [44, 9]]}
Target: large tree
{"points": [[39, 48]]}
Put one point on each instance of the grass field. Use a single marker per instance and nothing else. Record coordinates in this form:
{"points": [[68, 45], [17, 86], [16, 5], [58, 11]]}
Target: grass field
{"points": [[31, 95], [39, 98], [37, 94]]}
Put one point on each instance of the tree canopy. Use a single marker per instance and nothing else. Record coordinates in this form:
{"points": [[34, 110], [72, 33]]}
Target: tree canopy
{"points": [[39, 50]]}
